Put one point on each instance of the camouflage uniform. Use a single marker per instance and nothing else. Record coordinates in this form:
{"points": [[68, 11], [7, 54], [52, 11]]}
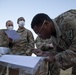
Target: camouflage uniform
{"points": [[44, 45], [65, 41], [4, 42], [41, 42], [25, 44]]}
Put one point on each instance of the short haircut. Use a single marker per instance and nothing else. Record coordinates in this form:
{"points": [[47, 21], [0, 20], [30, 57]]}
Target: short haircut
{"points": [[19, 19], [38, 19], [8, 21]]}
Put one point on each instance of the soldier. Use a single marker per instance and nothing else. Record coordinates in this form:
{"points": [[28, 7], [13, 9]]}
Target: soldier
{"points": [[4, 44], [62, 30], [9, 25], [24, 45], [46, 45]]}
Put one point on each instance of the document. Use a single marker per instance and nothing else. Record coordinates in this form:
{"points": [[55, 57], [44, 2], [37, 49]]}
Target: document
{"points": [[13, 34], [26, 61], [26, 64]]}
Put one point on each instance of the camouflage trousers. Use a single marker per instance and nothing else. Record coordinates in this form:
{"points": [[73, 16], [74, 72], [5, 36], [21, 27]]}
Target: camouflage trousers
{"points": [[53, 69], [50, 69], [2, 70], [73, 70]]}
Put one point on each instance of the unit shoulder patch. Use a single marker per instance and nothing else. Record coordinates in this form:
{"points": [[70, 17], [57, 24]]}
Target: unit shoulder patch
{"points": [[70, 34]]}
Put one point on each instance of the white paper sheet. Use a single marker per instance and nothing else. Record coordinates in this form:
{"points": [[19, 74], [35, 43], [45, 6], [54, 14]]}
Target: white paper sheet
{"points": [[26, 61], [12, 34]]}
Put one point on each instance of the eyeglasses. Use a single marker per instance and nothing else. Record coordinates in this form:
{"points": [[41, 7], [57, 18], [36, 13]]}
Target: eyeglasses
{"points": [[41, 27]]}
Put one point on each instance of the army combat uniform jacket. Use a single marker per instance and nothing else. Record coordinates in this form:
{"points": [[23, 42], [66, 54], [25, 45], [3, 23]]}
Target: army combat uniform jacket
{"points": [[65, 40], [4, 42], [25, 44], [42, 42]]}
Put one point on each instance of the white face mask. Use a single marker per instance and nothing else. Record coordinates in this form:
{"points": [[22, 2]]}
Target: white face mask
{"points": [[21, 23], [10, 27]]}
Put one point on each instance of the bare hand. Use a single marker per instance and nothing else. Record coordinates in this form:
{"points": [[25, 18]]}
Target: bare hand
{"points": [[38, 52], [49, 57]]}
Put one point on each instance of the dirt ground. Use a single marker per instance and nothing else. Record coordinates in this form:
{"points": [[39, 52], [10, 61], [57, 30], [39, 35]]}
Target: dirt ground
{"points": [[66, 72]]}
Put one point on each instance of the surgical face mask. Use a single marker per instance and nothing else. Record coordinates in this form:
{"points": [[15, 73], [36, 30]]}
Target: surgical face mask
{"points": [[10, 27], [21, 23]]}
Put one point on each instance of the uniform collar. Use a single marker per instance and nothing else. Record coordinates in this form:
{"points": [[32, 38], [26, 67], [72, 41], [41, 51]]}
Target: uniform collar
{"points": [[58, 32], [21, 30]]}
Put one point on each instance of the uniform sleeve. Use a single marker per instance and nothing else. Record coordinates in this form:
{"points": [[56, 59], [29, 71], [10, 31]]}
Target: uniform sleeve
{"points": [[67, 58], [43, 44], [4, 41], [30, 38], [1, 38], [38, 42]]}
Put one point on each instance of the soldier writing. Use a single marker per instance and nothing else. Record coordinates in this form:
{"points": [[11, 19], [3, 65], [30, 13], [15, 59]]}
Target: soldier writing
{"points": [[26, 43], [62, 30]]}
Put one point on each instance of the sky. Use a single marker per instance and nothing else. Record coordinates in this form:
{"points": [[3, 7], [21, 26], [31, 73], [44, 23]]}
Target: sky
{"points": [[13, 9]]}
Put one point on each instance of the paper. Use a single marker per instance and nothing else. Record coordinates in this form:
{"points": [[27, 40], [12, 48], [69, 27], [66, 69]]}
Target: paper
{"points": [[26, 64], [26, 61], [13, 34]]}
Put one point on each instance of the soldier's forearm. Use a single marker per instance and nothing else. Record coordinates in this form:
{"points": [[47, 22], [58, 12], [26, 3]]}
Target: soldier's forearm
{"points": [[66, 59]]}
